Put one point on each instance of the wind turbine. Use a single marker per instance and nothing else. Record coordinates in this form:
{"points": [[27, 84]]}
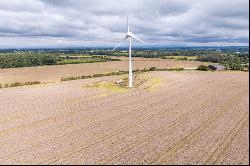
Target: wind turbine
{"points": [[129, 36]]}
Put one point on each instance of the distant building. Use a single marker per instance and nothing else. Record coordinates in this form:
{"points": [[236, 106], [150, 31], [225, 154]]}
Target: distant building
{"points": [[217, 67]]}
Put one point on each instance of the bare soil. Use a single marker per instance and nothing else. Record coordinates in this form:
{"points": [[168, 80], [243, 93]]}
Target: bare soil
{"points": [[185, 117]]}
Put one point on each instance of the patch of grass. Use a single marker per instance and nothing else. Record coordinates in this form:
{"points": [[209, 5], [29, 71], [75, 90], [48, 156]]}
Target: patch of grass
{"points": [[100, 95], [84, 59], [76, 61], [109, 86], [154, 82], [185, 58]]}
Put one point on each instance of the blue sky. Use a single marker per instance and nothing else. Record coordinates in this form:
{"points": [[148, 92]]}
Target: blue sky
{"points": [[69, 23]]}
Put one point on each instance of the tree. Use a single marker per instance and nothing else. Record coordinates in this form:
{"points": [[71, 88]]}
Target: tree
{"points": [[236, 66]]}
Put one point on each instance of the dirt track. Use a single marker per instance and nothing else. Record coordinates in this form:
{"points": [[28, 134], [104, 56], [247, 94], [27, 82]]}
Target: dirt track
{"points": [[185, 117]]}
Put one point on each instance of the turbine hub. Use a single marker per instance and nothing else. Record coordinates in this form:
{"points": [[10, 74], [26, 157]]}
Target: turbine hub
{"points": [[129, 34]]}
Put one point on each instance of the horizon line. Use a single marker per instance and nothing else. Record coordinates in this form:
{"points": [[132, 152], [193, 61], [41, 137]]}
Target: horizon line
{"points": [[83, 47]]}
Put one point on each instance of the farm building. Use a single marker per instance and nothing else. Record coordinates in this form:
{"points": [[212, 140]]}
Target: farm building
{"points": [[217, 67]]}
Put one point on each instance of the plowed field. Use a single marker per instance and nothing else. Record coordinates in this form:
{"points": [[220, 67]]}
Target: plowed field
{"points": [[186, 117]]}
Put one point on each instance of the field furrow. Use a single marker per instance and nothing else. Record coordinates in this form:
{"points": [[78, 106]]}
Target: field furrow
{"points": [[186, 117]]}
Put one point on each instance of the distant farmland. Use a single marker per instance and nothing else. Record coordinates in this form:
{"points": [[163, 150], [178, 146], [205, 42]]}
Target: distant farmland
{"points": [[186, 117], [56, 72]]}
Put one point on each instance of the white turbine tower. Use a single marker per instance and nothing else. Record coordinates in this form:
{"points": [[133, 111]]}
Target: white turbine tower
{"points": [[129, 36]]}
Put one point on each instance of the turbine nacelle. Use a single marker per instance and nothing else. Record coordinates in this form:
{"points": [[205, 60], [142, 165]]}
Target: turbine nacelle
{"points": [[129, 34]]}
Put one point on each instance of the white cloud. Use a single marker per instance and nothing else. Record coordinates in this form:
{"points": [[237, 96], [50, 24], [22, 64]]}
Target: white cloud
{"points": [[97, 22]]}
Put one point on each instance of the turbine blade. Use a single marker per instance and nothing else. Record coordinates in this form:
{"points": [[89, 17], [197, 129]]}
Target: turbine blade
{"points": [[139, 39], [127, 24], [117, 45]]}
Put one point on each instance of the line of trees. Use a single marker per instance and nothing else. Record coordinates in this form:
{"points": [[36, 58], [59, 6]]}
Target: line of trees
{"points": [[15, 60], [233, 61], [26, 60]]}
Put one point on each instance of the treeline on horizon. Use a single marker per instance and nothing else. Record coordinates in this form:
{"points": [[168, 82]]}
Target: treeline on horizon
{"points": [[16, 60], [230, 58]]}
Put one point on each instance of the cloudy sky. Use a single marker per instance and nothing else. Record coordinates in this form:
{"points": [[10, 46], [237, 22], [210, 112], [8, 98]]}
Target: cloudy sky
{"points": [[67, 23]]}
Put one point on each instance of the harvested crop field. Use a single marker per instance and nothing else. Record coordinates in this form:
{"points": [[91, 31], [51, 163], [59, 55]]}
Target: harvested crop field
{"points": [[186, 117], [54, 73]]}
